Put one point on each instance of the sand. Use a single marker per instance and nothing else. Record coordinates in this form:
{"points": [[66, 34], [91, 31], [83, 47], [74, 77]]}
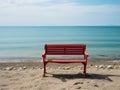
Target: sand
{"points": [[28, 76]]}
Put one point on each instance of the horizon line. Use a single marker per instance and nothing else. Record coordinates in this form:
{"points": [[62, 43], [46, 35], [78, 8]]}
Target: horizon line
{"points": [[58, 25]]}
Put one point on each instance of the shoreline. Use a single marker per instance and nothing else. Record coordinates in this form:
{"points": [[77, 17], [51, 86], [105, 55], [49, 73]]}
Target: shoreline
{"points": [[38, 64], [39, 59]]}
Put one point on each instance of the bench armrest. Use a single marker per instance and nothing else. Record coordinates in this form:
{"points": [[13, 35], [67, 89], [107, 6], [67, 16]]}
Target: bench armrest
{"points": [[43, 55], [86, 55]]}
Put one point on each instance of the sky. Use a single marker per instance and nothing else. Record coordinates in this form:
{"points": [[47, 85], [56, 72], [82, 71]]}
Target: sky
{"points": [[59, 12]]}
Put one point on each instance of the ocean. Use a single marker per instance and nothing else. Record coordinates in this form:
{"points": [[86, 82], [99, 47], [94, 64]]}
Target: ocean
{"points": [[26, 43]]}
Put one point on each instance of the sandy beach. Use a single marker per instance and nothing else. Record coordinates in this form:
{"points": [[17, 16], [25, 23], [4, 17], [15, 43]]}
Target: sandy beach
{"points": [[28, 76]]}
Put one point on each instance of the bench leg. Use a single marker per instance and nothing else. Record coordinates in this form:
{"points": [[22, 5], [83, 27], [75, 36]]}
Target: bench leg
{"points": [[85, 68], [45, 63]]}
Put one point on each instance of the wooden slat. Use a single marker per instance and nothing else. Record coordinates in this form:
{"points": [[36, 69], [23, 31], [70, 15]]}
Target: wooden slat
{"points": [[65, 49], [74, 51], [74, 48], [52, 51]]}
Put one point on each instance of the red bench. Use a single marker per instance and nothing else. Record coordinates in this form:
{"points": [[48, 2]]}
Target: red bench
{"points": [[65, 49]]}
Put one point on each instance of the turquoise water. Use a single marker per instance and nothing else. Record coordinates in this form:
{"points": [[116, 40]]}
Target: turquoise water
{"points": [[26, 43]]}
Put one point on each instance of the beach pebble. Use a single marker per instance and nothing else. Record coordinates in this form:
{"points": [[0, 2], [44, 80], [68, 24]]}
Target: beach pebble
{"points": [[9, 68], [67, 68], [24, 67], [101, 66], [91, 64], [109, 67], [76, 83], [96, 66], [96, 85]]}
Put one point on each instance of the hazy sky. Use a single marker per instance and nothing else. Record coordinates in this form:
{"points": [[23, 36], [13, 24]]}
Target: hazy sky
{"points": [[59, 12]]}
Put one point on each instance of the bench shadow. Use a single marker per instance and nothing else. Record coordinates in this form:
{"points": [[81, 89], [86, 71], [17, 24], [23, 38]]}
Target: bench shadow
{"points": [[63, 77]]}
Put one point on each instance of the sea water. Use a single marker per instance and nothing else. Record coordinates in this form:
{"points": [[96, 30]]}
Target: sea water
{"points": [[20, 43]]}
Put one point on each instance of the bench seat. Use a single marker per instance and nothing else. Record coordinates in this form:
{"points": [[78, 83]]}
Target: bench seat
{"points": [[66, 60]]}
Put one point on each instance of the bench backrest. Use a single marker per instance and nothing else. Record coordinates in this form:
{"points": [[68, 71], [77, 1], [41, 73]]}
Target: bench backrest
{"points": [[65, 49]]}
